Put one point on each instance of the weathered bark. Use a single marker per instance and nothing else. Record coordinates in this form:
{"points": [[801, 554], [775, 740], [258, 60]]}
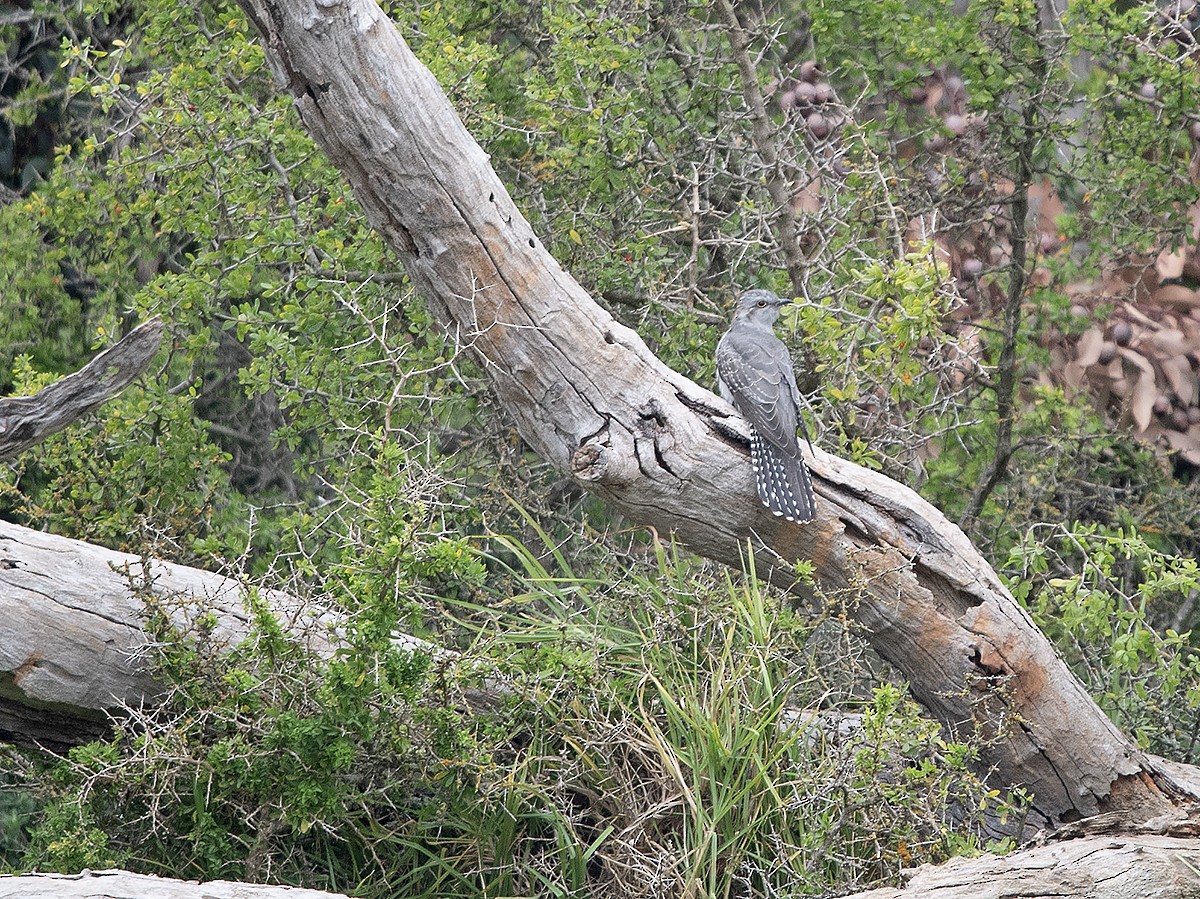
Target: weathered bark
{"points": [[124, 885], [26, 420], [1142, 867], [72, 638], [589, 397]]}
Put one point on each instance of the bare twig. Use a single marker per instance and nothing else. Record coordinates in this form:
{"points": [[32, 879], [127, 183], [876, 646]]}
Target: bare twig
{"points": [[764, 141]]}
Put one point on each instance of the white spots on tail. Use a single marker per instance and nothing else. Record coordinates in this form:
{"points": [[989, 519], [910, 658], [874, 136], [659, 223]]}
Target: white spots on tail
{"points": [[784, 483]]}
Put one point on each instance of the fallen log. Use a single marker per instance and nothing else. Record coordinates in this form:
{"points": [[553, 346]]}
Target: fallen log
{"points": [[1146, 866], [125, 885], [71, 648], [1117, 867]]}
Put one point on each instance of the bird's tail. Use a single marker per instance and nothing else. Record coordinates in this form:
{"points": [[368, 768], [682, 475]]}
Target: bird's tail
{"points": [[784, 484]]}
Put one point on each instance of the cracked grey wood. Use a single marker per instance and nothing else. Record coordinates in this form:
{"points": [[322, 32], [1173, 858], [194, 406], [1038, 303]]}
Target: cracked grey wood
{"points": [[590, 398], [1135, 867], [70, 649], [27, 420], [124, 885]]}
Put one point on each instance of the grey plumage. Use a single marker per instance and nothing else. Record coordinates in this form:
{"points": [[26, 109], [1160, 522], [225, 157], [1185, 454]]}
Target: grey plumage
{"points": [[755, 375]]}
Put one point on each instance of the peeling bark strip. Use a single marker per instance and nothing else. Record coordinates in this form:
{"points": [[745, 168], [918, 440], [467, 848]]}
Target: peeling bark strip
{"points": [[579, 385], [26, 420]]}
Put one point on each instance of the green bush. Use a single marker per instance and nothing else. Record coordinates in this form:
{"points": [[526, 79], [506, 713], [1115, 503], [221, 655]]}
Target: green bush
{"points": [[594, 734], [1113, 604]]}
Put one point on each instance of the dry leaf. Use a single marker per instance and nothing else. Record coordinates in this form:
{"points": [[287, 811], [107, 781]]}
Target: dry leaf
{"points": [[1087, 350], [1177, 295], [1178, 372], [1141, 404], [1171, 341], [1136, 316], [1170, 265], [933, 96], [1073, 375], [1186, 445], [807, 198], [1140, 362]]}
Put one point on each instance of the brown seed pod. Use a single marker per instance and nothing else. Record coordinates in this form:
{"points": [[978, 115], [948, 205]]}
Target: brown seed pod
{"points": [[1122, 333], [818, 127]]}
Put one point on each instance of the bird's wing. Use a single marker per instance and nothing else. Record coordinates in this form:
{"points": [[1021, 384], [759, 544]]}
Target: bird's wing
{"points": [[791, 374], [758, 375]]}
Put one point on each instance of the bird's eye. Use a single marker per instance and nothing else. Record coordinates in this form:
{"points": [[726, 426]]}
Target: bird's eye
{"points": [[761, 303]]}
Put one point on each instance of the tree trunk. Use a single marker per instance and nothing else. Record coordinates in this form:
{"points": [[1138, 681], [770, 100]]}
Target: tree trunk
{"points": [[589, 397]]}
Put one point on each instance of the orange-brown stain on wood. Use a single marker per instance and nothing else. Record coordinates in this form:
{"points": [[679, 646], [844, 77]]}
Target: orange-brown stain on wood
{"points": [[997, 644], [26, 667]]}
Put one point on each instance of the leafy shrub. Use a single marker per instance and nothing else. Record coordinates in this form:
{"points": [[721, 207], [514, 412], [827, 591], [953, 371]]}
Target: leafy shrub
{"points": [[1113, 604], [618, 735]]}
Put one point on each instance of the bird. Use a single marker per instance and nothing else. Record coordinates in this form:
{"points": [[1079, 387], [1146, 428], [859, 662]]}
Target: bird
{"points": [[755, 376]]}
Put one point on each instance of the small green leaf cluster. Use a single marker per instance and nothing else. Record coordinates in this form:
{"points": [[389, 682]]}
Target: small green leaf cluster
{"points": [[43, 320], [147, 472], [18, 807], [35, 109], [882, 365], [1143, 99]]}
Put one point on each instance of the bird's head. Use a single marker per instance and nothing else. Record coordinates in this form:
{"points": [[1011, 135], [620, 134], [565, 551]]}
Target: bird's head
{"points": [[760, 307]]}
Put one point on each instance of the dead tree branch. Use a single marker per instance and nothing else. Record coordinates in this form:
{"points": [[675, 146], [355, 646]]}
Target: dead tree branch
{"points": [[27, 420]]}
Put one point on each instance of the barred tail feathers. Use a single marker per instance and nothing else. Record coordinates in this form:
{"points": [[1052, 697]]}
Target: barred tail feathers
{"points": [[784, 484]]}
